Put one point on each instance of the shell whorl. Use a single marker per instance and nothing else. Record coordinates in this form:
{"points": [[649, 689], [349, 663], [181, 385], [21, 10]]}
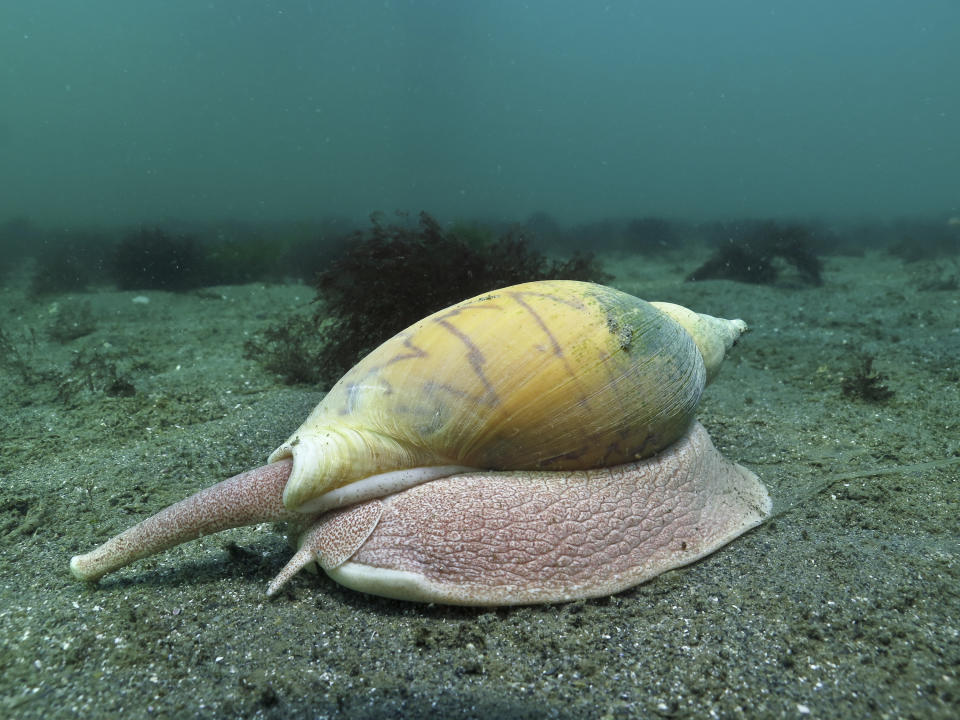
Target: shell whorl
{"points": [[545, 375], [713, 335]]}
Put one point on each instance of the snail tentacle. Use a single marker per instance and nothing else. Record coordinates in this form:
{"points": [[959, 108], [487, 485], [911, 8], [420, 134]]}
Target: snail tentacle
{"points": [[331, 541], [249, 498]]}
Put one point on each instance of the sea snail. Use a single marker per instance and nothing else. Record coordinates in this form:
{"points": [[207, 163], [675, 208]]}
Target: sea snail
{"points": [[531, 444]]}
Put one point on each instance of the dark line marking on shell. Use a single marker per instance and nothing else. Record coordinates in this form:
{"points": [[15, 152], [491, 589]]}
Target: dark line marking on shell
{"points": [[474, 355], [415, 353], [518, 297], [353, 385], [475, 358], [557, 350]]}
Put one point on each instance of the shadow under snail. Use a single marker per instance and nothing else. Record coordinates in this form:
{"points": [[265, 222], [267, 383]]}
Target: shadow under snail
{"points": [[533, 444]]}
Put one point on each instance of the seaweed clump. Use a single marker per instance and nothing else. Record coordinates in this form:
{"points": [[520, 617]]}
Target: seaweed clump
{"points": [[60, 268], [152, 259], [865, 383], [392, 275], [19, 236], [926, 240], [20, 358], [91, 372], [651, 236], [758, 253]]}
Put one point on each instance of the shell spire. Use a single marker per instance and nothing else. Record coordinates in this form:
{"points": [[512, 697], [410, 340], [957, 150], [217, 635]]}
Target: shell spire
{"points": [[713, 335]]}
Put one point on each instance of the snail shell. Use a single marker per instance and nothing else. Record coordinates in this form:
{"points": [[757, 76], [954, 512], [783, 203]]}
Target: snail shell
{"points": [[550, 375]]}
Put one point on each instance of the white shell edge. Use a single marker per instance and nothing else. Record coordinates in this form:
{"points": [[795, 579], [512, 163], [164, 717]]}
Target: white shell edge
{"points": [[377, 486]]}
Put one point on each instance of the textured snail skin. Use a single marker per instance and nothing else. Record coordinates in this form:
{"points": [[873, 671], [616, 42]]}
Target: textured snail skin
{"points": [[510, 538], [486, 538], [537, 383]]}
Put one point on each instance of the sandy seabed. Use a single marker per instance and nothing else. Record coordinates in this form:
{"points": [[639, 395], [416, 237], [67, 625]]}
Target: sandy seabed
{"points": [[846, 603]]}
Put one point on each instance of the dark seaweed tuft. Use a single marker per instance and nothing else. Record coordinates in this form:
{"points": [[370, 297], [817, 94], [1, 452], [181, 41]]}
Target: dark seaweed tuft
{"points": [[152, 259], [865, 383], [390, 276], [754, 253]]}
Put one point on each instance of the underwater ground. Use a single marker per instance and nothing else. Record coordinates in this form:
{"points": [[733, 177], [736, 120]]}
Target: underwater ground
{"points": [[845, 604]]}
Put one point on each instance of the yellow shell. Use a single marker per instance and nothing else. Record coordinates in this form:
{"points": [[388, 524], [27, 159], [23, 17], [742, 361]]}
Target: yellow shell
{"points": [[545, 375]]}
